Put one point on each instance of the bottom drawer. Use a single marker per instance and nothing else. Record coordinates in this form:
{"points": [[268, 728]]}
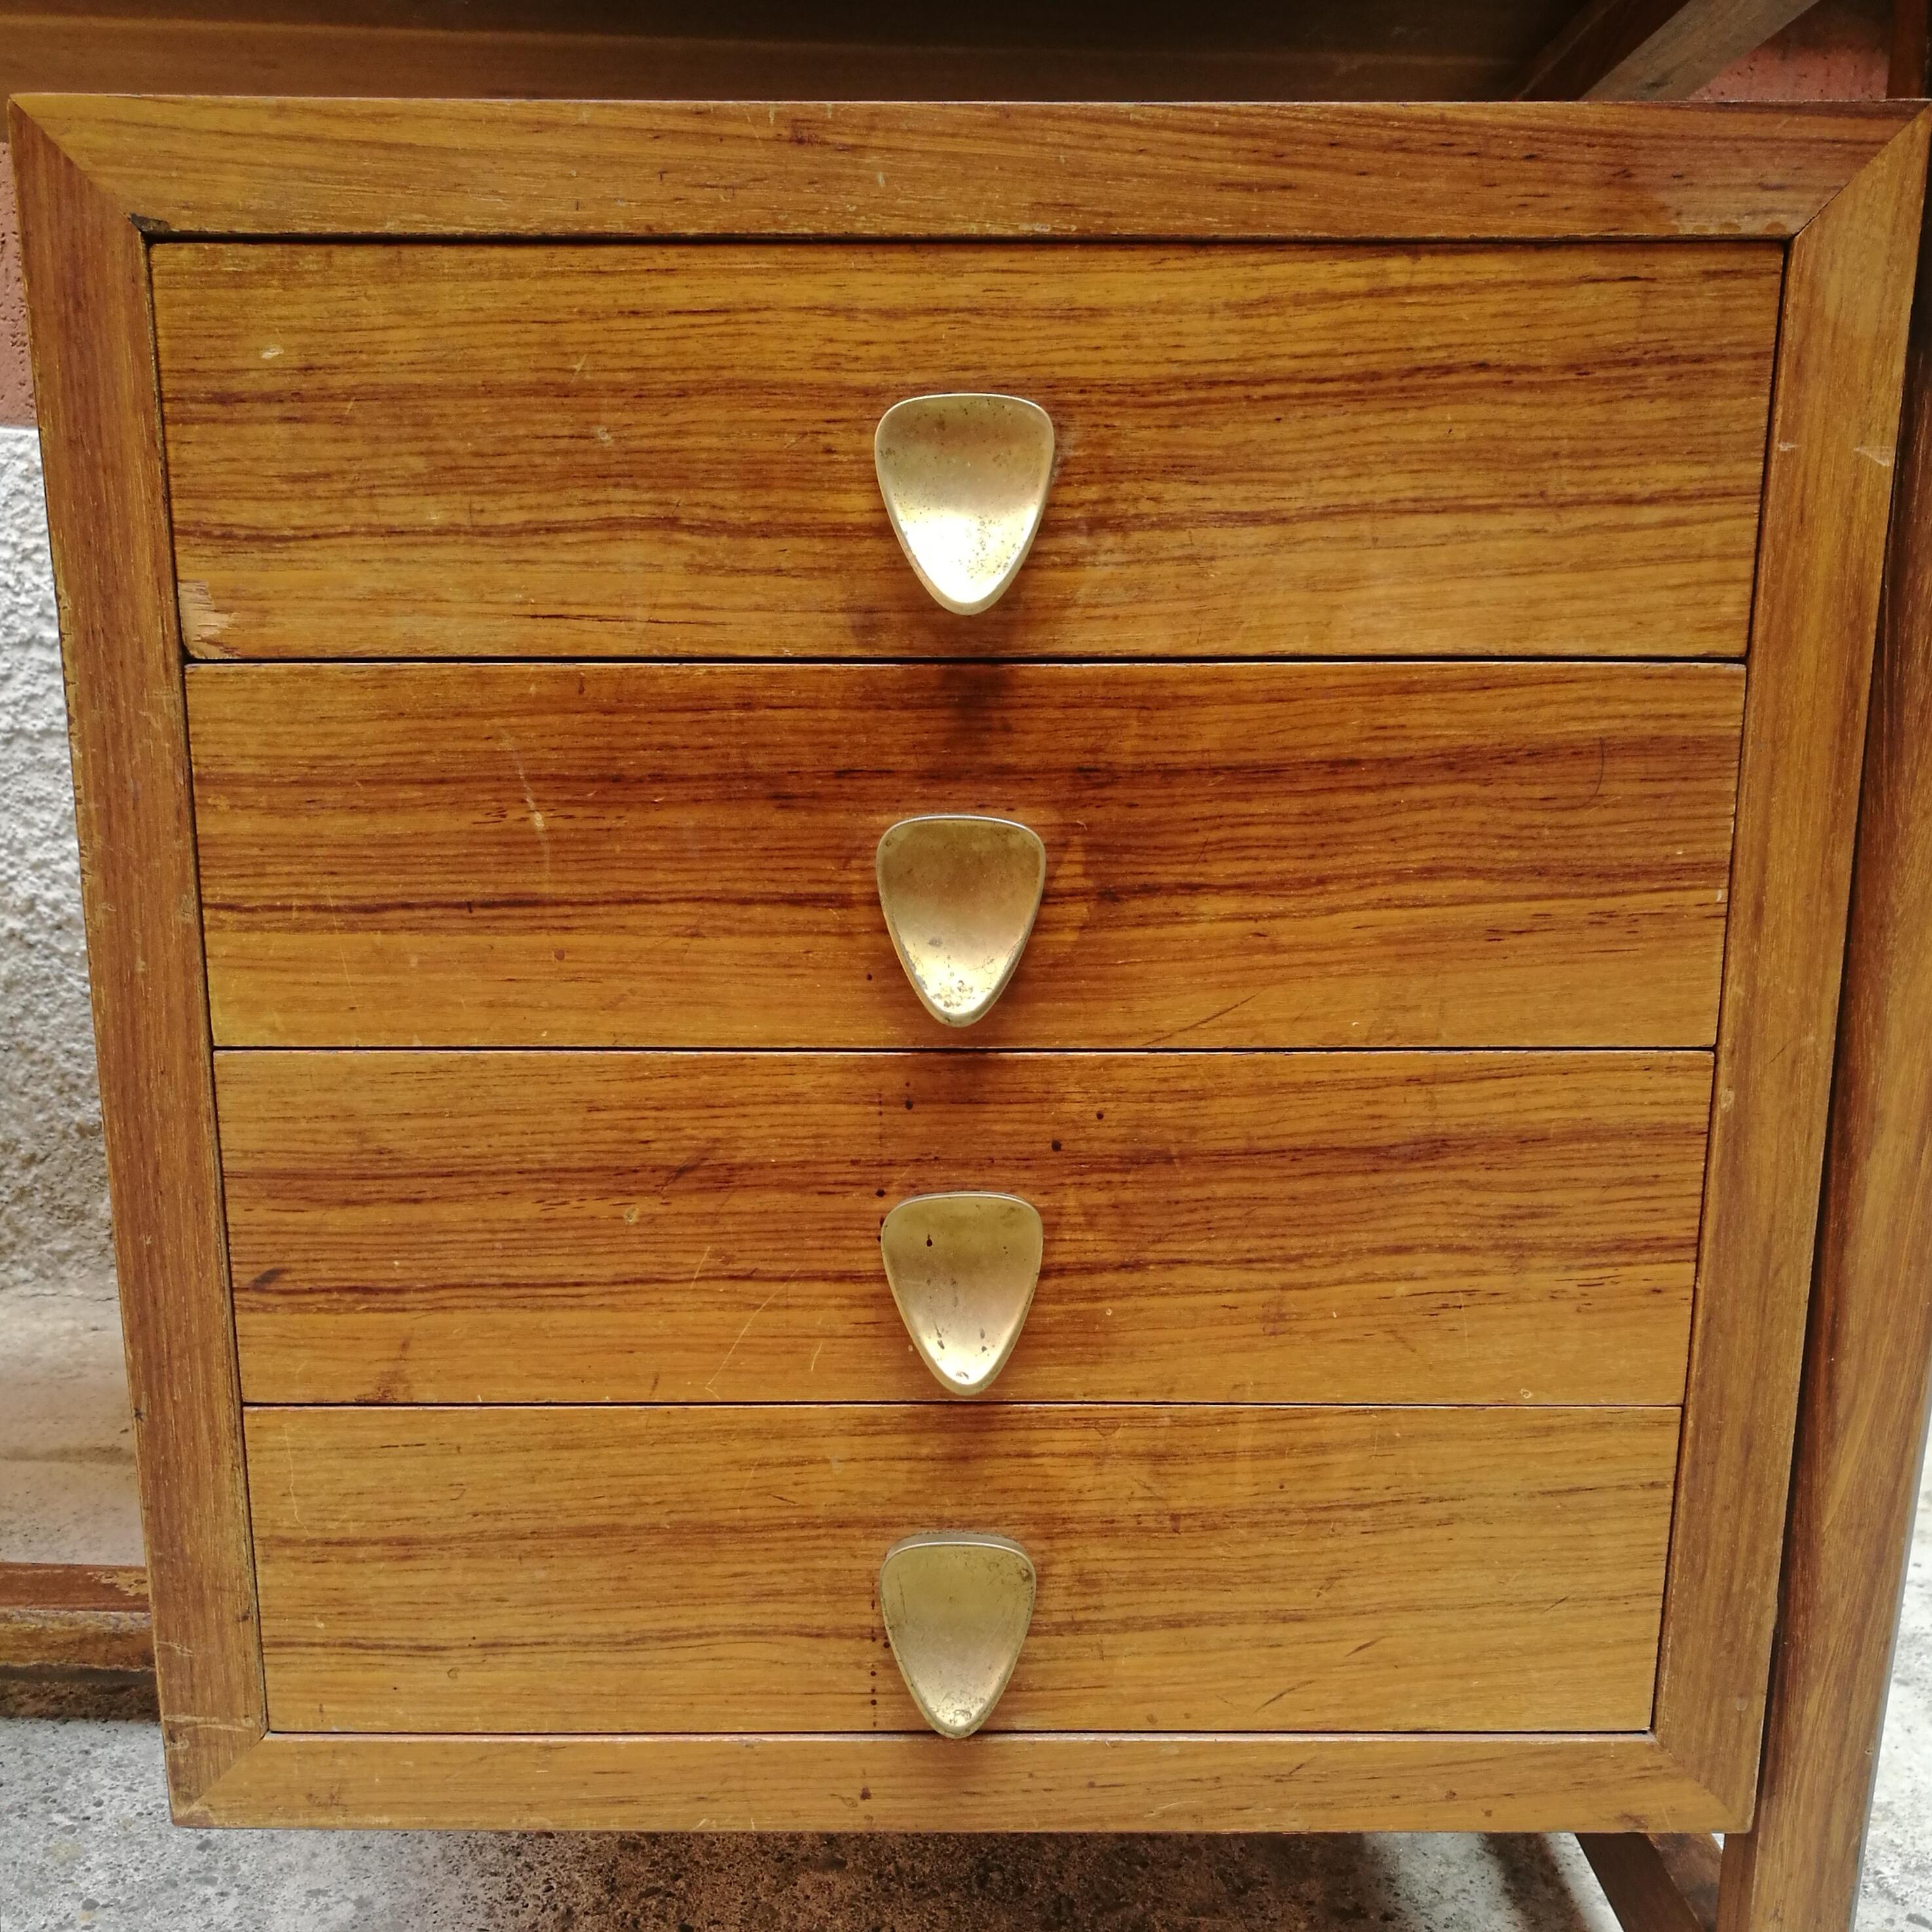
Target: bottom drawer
{"points": [[1200, 1568]]}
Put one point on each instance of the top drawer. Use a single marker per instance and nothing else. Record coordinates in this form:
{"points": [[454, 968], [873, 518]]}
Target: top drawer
{"points": [[459, 451]]}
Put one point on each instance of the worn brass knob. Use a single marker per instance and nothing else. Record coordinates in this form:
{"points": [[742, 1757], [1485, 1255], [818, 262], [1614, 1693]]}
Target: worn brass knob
{"points": [[964, 477], [960, 895], [962, 1268], [957, 1604]]}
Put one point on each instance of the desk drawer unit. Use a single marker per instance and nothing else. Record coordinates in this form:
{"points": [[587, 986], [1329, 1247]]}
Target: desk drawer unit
{"points": [[1044, 952]]}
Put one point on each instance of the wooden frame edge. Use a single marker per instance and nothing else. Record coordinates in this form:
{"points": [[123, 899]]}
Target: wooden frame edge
{"points": [[242, 167], [1834, 428], [1008, 1781], [1867, 1383], [100, 421]]}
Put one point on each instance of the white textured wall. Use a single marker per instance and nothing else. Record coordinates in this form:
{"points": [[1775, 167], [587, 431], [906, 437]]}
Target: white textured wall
{"points": [[66, 1477], [53, 1185]]}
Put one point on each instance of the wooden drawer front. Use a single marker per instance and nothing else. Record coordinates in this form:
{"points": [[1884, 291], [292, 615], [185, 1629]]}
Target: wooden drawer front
{"points": [[1282, 855], [571, 451], [704, 1228], [1200, 1567]]}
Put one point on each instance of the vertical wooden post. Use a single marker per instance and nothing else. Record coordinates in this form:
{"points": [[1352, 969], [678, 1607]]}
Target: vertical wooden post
{"points": [[1868, 1356]]}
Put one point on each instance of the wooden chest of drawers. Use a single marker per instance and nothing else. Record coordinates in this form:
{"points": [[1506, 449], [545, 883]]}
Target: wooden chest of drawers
{"points": [[1438, 684]]}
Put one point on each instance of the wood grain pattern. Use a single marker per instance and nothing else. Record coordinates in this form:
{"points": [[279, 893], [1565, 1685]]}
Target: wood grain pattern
{"points": [[714, 1569], [1391, 1228], [1867, 1381], [1003, 1781], [1349, 855], [1834, 423], [100, 429], [667, 452], [1639, 1882], [1259, 171], [73, 1616], [1651, 50]]}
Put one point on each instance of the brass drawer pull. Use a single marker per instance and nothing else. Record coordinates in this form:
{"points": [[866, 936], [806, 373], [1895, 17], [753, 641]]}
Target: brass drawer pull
{"points": [[960, 895], [964, 477], [962, 1268], [956, 1605]]}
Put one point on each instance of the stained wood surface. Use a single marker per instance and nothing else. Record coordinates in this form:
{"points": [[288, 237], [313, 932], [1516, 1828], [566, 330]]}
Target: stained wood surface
{"points": [[1867, 1379], [1004, 1781], [1352, 855], [1305, 172], [1849, 290], [113, 571], [667, 452], [73, 1616], [704, 1227], [1639, 1881], [714, 1569]]}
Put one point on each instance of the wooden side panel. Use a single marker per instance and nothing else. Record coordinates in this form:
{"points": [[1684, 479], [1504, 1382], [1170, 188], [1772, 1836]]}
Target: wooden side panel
{"points": [[1354, 855], [714, 1569], [667, 452], [1834, 427], [1407, 1228], [100, 433], [1526, 171], [1868, 1359], [1004, 1781]]}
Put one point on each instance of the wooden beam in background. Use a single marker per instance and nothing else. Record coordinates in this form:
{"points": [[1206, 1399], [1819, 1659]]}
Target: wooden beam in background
{"points": [[1656, 1884], [71, 1616], [1651, 50]]}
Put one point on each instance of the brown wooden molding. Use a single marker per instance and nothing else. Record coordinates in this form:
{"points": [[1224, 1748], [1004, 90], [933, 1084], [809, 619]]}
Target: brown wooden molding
{"points": [[1848, 286], [1651, 49], [1868, 1361], [101, 430], [71, 1616], [239, 167], [1008, 1782]]}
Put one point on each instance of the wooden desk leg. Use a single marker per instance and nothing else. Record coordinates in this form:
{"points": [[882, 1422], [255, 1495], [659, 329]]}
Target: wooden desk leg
{"points": [[1868, 1356], [1656, 1884]]}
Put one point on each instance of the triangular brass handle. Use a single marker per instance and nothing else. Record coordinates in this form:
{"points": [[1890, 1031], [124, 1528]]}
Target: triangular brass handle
{"points": [[960, 895], [956, 1605], [962, 1268], [964, 477]]}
